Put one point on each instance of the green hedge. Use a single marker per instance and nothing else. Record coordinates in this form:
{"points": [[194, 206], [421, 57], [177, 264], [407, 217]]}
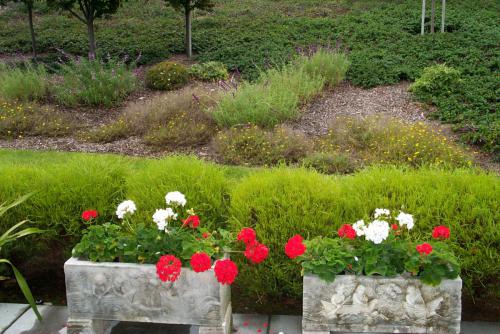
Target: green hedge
{"points": [[277, 202]]}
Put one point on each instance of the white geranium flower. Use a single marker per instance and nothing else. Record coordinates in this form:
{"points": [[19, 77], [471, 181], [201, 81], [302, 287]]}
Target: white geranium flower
{"points": [[381, 212], [175, 198], [125, 207], [356, 258], [377, 231], [162, 216], [405, 219], [359, 227]]}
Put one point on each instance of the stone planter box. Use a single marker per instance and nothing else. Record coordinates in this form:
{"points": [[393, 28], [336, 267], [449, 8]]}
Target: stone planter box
{"points": [[380, 305], [98, 293]]}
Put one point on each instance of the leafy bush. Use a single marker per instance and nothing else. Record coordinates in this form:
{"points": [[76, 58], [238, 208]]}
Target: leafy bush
{"points": [[94, 83], [253, 146], [171, 120], [383, 140], [26, 119], [330, 163], [30, 83], [167, 76], [283, 202], [436, 81], [209, 71]]}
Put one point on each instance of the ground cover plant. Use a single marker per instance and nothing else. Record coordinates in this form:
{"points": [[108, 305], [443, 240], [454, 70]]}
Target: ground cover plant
{"points": [[380, 51], [167, 76], [24, 84], [93, 82], [253, 146], [384, 140], [172, 120], [279, 92], [20, 119], [277, 203]]}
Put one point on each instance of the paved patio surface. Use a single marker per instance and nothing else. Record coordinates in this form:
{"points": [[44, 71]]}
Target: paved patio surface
{"points": [[19, 319]]}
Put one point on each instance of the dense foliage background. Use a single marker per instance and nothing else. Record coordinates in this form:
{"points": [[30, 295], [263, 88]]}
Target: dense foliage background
{"points": [[382, 39]]}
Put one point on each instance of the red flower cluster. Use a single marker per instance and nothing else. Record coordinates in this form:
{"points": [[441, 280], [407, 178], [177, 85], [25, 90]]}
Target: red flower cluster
{"points": [[247, 235], [89, 214], [168, 268], [295, 247], [256, 252], [200, 262], [394, 227], [424, 249], [205, 235], [346, 231], [441, 232], [225, 271], [192, 221]]}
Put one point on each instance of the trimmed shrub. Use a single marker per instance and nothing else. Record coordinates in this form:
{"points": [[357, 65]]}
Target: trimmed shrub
{"points": [[209, 71], [254, 146], [282, 202], [19, 119], [167, 76], [437, 80], [94, 83], [330, 163]]}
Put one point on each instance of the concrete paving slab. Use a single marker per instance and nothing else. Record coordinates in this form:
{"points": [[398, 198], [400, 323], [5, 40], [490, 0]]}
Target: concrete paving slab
{"points": [[54, 321], [285, 324], [251, 323], [479, 327], [9, 312], [144, 328]]}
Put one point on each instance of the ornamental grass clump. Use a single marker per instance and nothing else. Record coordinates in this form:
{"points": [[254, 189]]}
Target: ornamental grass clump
{"points": [[24, 84], [382, 247], [176, 236]]}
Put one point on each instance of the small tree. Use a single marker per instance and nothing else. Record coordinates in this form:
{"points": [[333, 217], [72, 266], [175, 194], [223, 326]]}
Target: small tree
{"points": [[187, 7], [87, 11], [29, 7]]}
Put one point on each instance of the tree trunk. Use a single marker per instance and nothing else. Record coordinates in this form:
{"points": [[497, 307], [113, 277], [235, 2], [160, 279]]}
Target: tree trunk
{"points": [[90, 31], [188, 42], [422, 27], [433, 15], [443, 14], [32, 30]]}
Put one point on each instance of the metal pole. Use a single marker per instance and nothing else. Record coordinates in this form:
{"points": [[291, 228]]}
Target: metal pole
{"points": [[423, 17], [443, 12]]}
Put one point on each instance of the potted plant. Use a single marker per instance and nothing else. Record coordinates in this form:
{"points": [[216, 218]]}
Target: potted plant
{"points": [[373, 278], [134, 271]]}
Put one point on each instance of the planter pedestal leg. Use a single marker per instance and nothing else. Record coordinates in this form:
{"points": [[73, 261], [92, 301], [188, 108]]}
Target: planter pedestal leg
{"points": [[226, 328], [87, 326]]}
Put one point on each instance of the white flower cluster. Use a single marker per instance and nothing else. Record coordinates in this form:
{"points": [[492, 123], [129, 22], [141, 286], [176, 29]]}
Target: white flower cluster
{"points": [[405, 219], [381, 212], [125, 207], [163, 216], [377, 231], [175, 198]]}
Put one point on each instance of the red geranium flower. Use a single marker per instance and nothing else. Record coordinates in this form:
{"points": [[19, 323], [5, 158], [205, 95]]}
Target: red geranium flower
{"points": [[200, 262], [394, 227], [168, 268], [346, 231], [441, 232], [424, 249], [225, 271], [247, 235], [89, 214], [205, 235], [192, 221], [294, 247], [256, 252]]}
